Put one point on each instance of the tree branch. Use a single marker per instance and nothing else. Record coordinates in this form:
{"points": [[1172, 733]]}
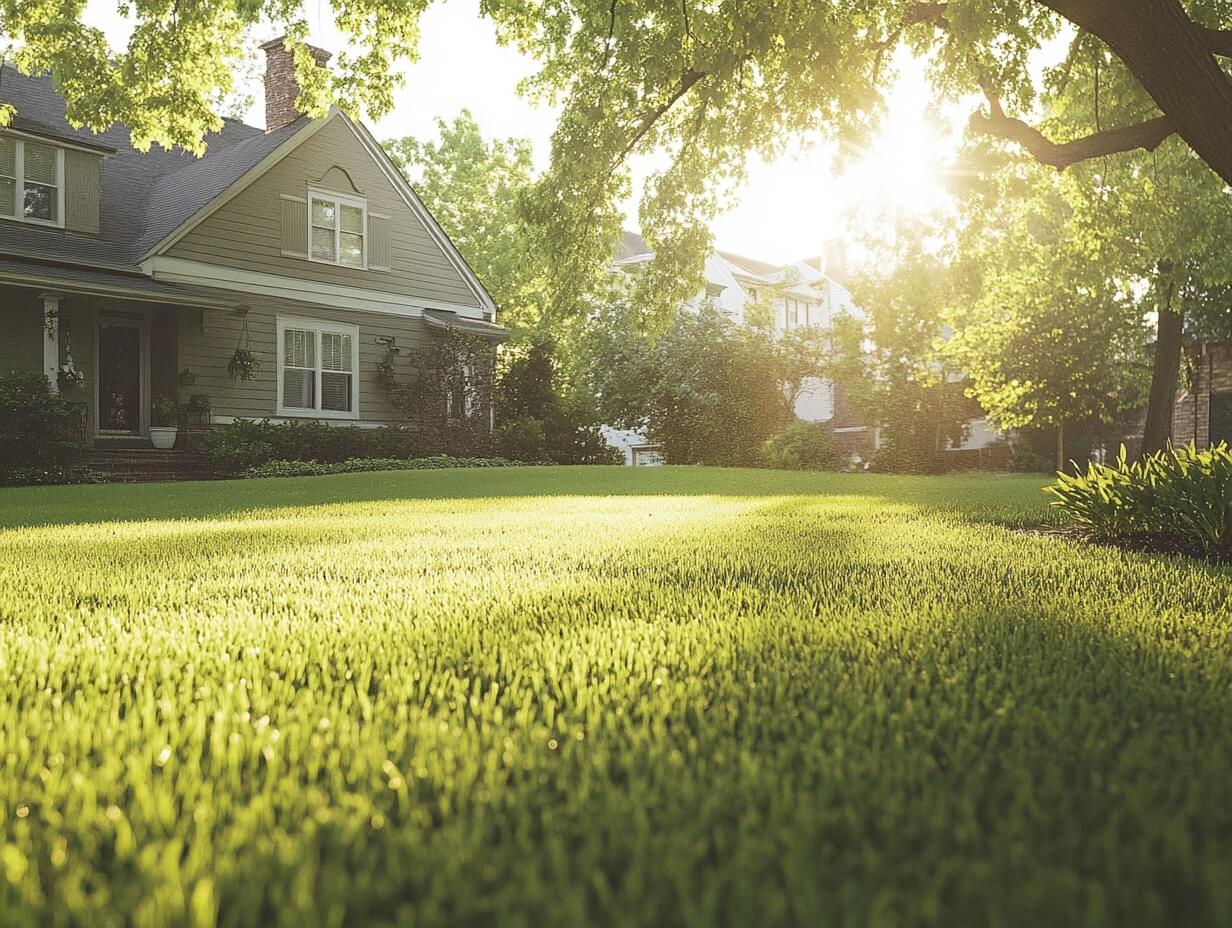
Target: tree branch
{"points": [[1147, 135], [683, 86], [1217, 41], [926, 13]]}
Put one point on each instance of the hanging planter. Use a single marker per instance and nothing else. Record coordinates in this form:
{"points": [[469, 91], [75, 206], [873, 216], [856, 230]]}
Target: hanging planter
{"points": [[244, 363], [67, 376]]}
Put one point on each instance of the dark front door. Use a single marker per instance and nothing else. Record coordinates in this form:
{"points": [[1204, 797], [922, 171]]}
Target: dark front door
{"points": [[119, 378]]}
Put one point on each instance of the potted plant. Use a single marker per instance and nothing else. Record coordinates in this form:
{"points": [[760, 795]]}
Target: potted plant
{"points": [[243, 364], [164, 421]]}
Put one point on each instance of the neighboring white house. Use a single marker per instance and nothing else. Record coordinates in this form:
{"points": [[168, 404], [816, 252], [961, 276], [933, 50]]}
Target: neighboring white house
{"points": [[802, 294]]}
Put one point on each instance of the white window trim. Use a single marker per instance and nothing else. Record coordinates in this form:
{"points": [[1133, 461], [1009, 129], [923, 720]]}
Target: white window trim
{"points": [[340, 200], [19, 191], [317, 326]]}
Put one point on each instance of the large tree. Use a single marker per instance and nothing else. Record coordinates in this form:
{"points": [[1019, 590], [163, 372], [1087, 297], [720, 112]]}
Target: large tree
{"points": [[708, 83]]}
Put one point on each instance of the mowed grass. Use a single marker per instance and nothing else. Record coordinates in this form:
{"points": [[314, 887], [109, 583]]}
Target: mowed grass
{"points": [[554, 696]]}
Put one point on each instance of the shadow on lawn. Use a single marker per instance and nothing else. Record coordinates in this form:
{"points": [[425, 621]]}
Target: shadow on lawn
{"points": [[917, 743], [1003, 499]]}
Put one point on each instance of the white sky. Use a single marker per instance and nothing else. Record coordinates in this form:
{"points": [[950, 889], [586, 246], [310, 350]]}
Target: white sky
{"points": [[786, 211]]}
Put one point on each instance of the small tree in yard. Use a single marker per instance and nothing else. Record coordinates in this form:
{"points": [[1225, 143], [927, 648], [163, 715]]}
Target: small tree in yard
{"points": [[541, 416], [708, 390], [896, 374], [444, 388], [1037, 359]]}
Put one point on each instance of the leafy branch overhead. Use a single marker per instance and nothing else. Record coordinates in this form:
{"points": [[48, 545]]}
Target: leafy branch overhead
{"points": [[708, 84]]}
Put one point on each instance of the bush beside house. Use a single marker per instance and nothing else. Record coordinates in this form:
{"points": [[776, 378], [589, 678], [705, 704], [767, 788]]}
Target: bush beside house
{"points": [[40, 440]]}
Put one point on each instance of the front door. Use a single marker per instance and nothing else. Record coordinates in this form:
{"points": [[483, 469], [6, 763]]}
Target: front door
{"points": [[119, 378]]}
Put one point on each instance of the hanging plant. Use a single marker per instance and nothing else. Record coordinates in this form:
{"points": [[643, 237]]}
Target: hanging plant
{"points": [[69, 378], [386, 373], [244, 363]]}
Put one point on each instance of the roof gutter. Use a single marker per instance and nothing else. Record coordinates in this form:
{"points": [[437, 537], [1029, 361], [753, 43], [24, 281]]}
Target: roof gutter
{"points": [[60, 285]]}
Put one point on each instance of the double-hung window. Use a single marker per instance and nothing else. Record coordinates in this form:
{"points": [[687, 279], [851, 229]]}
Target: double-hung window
{"points": [[31, 181], [791, 312], [338, 230], [317, 364]]}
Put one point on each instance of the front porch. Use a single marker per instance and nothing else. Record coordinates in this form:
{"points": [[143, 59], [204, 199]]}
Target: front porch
{"points": [[115, 357]]}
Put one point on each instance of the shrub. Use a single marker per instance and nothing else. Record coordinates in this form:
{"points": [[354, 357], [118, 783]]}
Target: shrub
{"points": [[240, 445], [1178, 496], [544, 418], [802, 446], [50, 476], [366, 465], [39, 430], [522, 439]]}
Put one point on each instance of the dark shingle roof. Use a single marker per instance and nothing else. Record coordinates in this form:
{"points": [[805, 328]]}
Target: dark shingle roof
{"points": [[145, 196], [30, 273]]}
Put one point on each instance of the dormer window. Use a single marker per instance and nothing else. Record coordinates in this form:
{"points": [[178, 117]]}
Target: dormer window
{"points": [[31, 181], [338, 230]]}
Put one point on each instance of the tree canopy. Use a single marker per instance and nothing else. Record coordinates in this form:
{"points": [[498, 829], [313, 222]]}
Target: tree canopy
{"points": [[474, 187], [709, 84]]}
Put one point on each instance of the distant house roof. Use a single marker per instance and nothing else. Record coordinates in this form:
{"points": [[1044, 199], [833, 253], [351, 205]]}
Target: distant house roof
{"points": [[631, 245], [760, 268], [145, 195]]}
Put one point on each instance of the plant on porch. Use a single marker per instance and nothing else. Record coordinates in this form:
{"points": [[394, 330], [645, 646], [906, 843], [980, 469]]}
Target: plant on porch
{"points": [[164, 421]]}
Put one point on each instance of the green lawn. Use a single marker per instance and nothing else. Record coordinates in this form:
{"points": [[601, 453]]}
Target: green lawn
{"points": [[565, 696]]}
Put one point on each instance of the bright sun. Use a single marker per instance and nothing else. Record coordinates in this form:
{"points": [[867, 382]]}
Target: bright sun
{"points": [[902, 171]]}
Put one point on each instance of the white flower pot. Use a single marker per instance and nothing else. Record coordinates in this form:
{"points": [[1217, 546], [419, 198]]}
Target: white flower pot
{"points": [[163, 436]]}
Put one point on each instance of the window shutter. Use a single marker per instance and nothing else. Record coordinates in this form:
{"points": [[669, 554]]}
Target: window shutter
{"points": [[295, 227], [81, 190], [378, 242]]}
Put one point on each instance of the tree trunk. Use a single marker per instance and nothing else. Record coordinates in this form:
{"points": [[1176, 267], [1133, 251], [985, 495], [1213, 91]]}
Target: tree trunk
{"points": [[1060, 447], [1158, 429], [1168, 54]]}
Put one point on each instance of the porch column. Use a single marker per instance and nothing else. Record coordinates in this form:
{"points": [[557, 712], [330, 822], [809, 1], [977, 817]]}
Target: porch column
{"points": [[51, 340]]}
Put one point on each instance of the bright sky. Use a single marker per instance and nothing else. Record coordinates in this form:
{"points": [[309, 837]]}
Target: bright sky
{"points": [[787, 210]]}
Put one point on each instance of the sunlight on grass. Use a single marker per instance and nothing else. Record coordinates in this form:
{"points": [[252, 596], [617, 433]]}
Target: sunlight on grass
{"points": [[686, 698]]}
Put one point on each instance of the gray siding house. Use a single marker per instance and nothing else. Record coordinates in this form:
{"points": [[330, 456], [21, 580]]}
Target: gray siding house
{"points": [[126, 276]]}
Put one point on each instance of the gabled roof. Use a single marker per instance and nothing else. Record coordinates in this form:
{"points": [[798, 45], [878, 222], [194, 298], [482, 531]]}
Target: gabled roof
{"points": [[150, 199], [760, 268], [631, 245], [142, 191], [180, 195]]}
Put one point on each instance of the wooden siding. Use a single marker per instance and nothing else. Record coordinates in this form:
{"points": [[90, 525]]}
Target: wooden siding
{"points": [[207, 350], [1210, 366], [81, 191], [247, 232]]}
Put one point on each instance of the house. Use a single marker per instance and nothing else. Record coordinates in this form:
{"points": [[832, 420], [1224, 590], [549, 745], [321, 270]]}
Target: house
{"points": [[796, 295], [131, 277], [1202, 413]]}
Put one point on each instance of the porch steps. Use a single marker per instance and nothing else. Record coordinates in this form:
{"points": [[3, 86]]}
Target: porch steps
{"points": [[146, 465]]}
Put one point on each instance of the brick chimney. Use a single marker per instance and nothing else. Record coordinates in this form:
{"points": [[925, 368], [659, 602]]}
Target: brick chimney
{"points": [[281, 87]]}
